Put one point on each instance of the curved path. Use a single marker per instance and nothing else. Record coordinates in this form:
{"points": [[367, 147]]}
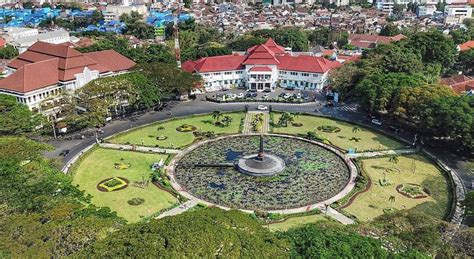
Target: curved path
{"points": [[178, 109]]}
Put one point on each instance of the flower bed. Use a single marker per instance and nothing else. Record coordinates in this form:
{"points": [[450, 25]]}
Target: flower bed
{"points": [[329, 129], [122, 166], [161, 138], [136, 201], [112, 184], [186, 128], [411, 190]]}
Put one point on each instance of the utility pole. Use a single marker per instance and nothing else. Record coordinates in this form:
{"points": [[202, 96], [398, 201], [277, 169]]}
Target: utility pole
{"points": [[177, 50]]}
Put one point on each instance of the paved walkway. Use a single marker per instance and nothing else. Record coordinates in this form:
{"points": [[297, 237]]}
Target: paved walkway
{"points": [[330, 212], [248, 122], [178, 210], [382, 153], [139, 148]]}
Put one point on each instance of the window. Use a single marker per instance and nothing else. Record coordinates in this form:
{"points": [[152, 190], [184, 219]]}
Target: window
{"points": [[239, 72], [206, 74], [304, 74], [227, 73], [294, 73], [315, 75], [217, 74]]}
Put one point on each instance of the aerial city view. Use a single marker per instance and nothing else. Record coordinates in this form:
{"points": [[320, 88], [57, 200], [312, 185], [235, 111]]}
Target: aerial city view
{"points": [[237, 129]]}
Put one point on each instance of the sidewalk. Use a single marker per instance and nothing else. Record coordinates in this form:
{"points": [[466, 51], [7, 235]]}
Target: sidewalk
{"points": [[394, 152], [139, 148], [178, 210]]}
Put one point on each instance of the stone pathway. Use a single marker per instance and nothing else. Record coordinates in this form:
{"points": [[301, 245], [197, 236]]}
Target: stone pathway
{"points": [[382, 153], [139, 148], [178, 210], [248, 122]]}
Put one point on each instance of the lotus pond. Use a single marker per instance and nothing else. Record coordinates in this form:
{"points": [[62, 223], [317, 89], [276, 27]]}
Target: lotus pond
{"points": [[312, 174]]}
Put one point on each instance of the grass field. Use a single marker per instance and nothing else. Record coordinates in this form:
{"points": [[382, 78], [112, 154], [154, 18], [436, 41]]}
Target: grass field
{"points": [[296, 222], [99, 165], [371, 204], [368, 138], [147, 135]]}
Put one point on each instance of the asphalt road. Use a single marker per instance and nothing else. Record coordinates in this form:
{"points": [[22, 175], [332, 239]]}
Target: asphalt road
{"points": [[347, 112]]}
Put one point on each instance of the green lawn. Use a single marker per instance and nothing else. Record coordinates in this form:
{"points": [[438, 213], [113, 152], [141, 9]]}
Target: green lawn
{"points": [[147, 135], [368, 138], [296, 222], [370, 204], [99, 165]]}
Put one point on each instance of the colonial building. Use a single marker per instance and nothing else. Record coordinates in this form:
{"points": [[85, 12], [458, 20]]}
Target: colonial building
{"points": [[262, 68], [46, 69]]}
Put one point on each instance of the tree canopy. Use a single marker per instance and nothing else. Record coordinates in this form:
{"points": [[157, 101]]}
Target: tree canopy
{"points": [[16, 118]]}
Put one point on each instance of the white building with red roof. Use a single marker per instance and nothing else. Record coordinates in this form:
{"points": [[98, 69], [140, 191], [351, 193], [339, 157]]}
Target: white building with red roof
{"points": [[262, 68], [47, 69]]}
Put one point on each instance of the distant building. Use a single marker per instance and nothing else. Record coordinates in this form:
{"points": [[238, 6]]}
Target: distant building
{"points": [[263, 68], [368, 41], [113, 12], [46, 69], [460, 84], [455, 14], [468, 45], [56, 37], [425, 10]]}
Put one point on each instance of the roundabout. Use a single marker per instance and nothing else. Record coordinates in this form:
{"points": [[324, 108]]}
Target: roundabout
{"points": [[289, 174]]}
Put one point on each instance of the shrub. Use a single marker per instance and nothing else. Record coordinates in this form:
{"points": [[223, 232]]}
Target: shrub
{"points": [[136, 201]]}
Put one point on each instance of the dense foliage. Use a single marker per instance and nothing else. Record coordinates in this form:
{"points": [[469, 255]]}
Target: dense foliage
{"points": [[43, 215], [136, 26], [8, 52], [204, 233], [146, 54], [15, 117], [401, 80]]}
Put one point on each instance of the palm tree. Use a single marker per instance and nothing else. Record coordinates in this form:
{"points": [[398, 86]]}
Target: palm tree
{"points": [[393, 159], [216, 115], [227, 120], [285, 118], [355, 130]]}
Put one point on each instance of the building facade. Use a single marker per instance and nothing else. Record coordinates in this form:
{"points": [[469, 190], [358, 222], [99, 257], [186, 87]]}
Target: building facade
{"points": [[262, 68], [46, 70]]}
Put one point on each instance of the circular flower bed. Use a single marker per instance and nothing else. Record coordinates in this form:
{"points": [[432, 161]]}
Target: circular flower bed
{"points": [[122, 166], [186, 128], [411, 190], [312, 174], [136, 201], [329, 129], [112, 184], [161, 138]]}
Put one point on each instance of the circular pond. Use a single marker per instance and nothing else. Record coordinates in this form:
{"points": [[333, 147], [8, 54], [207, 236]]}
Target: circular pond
{"points": [[312, 173]]}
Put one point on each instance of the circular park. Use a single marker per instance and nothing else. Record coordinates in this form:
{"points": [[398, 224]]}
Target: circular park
{"points": [[306, 163], [217, 171]]}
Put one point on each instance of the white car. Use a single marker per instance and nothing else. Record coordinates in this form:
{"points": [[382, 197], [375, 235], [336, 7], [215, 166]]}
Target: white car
{"points": [[287, 95], [376, 122], [241, 95], [262, 107], [266, 96]]}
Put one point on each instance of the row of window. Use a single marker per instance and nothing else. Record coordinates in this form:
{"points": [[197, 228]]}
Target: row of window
{"points": [[238, 72], [38, 97], [297, 74]]}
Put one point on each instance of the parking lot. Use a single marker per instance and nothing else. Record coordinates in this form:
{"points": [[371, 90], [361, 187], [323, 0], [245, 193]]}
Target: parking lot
{"points": [[278, 94]]}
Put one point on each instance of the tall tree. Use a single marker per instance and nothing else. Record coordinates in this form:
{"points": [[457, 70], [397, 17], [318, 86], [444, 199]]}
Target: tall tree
{"points": [[16, 117]]}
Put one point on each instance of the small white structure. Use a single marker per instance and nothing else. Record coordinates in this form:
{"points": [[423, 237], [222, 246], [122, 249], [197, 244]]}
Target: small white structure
{"points": [[22, 43]]}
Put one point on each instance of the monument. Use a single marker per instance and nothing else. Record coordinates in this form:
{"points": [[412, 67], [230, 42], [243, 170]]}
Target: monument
{"points": [[260, 164]]}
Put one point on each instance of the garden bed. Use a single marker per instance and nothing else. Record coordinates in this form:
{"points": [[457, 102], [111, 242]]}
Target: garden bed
{"points": [[113, 184]]}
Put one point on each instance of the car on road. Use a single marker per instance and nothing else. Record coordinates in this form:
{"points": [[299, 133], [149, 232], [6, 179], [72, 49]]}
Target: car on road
{"points": [[376, 122], [262, 107], [64, 152]]}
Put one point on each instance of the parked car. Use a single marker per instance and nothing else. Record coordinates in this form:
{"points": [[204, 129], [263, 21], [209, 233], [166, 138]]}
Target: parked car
{"points": [[266, 96], [240, 95], [64, 152], [267, 90], [282, 95], [298, 95], [254, 95], [262, 107], [248, 95], [376, 122], [287, 95]]}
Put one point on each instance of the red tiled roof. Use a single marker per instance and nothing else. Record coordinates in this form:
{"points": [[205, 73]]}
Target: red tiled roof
{"points": [[111, 60], [261, 55], [214, 64], [260, 69], [2, 42], [459, 83], [370, 41], [32, 76], [467, 45], [68, 63], [271, 45], [309, 64]]}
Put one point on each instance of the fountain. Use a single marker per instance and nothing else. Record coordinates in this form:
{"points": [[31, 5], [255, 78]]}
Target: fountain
{"points": [[260, 164]]}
